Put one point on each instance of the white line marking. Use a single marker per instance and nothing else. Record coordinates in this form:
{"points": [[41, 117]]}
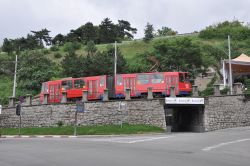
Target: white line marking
{"points": [[24, 136], [136, 140], [10, 136], [72, 136], [56, 136], [40, 136], [224, 144], [148, 139]]}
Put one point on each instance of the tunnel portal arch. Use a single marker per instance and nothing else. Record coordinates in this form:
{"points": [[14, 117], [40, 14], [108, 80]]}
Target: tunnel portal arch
{"points": [[184, 114]]}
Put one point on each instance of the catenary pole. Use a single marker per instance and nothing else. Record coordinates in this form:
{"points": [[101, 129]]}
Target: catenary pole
{"points": [[230, 67], [115, 69], [14, 86]]}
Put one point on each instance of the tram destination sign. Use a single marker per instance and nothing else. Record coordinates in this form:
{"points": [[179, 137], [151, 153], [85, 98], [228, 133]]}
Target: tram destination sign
{"points": [[183, 100]]}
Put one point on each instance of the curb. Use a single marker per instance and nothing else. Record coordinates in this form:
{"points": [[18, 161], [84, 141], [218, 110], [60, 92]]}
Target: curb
{"points": [[78, 136], [39, 136]]}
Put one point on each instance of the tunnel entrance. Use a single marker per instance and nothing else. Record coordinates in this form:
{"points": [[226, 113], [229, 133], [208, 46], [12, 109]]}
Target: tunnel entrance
{"points": [[184, 117]]}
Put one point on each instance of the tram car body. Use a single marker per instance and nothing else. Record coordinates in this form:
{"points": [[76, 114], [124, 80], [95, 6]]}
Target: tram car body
{"points": [[138, 83]]}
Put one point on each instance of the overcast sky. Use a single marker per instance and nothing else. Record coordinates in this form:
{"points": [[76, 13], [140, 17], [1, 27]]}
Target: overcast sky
{"points": [[19, 17]]}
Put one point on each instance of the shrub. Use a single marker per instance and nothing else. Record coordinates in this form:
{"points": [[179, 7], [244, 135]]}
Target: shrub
{"points": [[45, 51], [54, 48], [60, 123], [247, 89], [235, 29], [210, 89], [224, 91], [57, 55], [71, 47]]}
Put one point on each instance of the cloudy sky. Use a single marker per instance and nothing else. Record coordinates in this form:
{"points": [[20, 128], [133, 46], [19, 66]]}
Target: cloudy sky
{"points": [[19, 17]]}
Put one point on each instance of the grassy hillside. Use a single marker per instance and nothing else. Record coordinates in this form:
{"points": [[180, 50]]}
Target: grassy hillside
{"points": [[132, 48], [5, 88]]}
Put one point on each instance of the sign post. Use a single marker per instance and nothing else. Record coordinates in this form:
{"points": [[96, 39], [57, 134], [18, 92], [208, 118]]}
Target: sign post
{"points": [[79, 108], [19, 113]]}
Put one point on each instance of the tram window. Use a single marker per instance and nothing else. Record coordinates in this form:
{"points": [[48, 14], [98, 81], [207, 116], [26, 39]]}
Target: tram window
{"points": [[102, 80], [66, 84], [182, 78], [45, 88], [79, 83], [157, 78], [187, 79], [119, 80], [143, 78]]}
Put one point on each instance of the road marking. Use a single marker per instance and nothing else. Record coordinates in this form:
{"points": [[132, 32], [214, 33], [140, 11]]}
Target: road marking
{"points": [[136, 140], [224, 144], [149, 139]]}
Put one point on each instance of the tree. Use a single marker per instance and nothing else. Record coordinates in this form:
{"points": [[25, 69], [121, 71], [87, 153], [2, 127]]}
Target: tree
{"points": [[102, 63], [89, 33], [34, 69], [90, 48], [58, 40], [178, 55], [42, 36], [148, 32], [125, 30], [7, 46], [20, 44], [235, 29], [107, 31], [165, 31], [72, 65]]}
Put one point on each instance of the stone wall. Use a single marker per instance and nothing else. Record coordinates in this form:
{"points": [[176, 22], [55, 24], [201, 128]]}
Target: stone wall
{"points": [[226, 112], [150, 112], [219, 113]]}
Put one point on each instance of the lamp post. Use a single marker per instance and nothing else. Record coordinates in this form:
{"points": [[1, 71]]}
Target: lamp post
{"points": [[230, 67], [115, 60]]}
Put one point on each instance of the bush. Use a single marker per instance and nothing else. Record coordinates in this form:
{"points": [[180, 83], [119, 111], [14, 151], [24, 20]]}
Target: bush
{"points": [[60, 123], [235, 29], [57, 55], [210, 89], [247, 89], [71, 47], [45, 51], [54, 48], [224, 91]]}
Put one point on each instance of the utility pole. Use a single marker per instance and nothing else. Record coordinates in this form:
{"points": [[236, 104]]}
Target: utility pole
{"points": [[230, 67], [14, 86], [115, 60]]}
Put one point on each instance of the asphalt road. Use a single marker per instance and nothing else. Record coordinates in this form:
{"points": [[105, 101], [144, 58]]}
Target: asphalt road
{"points": [[230, 147]]}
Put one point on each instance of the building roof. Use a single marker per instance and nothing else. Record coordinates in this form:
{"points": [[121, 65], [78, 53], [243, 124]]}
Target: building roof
{"points": [[242, 58], [241, 64]]}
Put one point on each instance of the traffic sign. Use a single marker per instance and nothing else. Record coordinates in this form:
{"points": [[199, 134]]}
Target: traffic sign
{"points": [[80, 107]]}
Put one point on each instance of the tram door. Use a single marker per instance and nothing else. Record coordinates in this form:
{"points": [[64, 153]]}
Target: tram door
{"points": [[93, 89], [172, 80], [175, 83], [54, 93], [129, 82]]}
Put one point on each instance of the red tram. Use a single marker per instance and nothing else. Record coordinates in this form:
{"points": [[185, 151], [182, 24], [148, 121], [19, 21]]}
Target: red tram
{"points": [[137, 82]]}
